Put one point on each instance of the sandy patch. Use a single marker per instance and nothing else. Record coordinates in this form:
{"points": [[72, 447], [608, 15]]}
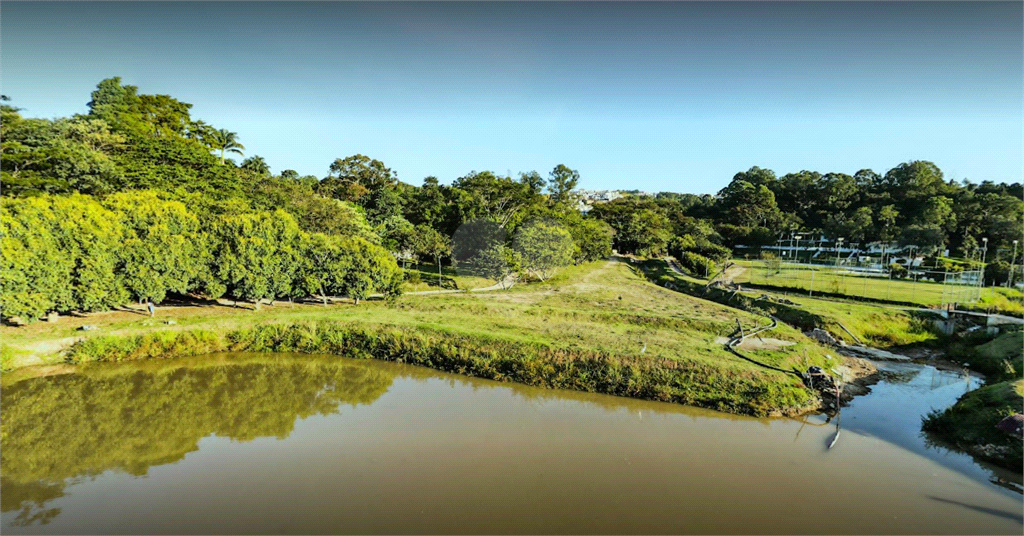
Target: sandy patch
{"points": [[757, 343]]}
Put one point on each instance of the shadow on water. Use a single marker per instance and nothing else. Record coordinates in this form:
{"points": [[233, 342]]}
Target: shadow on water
{"points": [[893, 410], [60, 429], [982, 509]]}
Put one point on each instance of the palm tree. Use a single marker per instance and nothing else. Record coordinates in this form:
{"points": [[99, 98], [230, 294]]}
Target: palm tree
{"points": [[226, 141], [256, 164]]}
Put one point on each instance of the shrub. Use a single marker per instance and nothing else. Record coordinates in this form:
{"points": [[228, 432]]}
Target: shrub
{"points": [[697, 264]]}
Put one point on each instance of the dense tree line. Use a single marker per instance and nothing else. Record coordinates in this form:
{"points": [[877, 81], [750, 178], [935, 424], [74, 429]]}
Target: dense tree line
{"points": [[78, 253], [136, 199]]}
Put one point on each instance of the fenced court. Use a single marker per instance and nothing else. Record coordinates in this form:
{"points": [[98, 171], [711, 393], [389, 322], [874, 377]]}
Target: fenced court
{"points": [[923, 287]]}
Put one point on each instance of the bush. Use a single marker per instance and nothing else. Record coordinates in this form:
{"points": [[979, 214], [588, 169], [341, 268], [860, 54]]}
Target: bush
{"points": [[898, 270], [696, 264]]}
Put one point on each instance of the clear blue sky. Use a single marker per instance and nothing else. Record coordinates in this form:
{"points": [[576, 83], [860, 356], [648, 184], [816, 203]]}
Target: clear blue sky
{"points": [[663, 96]]}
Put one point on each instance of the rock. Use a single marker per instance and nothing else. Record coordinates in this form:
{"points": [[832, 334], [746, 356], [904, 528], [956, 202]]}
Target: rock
{"points": [[52, 317], [88, 327], [873, 353], [170, 322], [823, 337], [1013, 425], [16, 321]]}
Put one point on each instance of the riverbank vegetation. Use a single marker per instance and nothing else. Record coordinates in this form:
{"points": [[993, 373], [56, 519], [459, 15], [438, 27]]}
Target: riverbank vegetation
{"points": [[970, 424], [598, 327]]}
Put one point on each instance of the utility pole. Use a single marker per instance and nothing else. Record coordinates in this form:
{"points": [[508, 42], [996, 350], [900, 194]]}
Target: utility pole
{"points": [[1009, 278], [981, 273]]}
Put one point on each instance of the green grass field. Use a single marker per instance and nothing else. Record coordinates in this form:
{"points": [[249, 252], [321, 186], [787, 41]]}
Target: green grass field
{"points": [[602, 308], [840, 282], [423, 277], [880, 326]]}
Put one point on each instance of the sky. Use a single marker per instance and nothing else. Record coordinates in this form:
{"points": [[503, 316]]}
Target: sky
{"points": [[651, 96]]}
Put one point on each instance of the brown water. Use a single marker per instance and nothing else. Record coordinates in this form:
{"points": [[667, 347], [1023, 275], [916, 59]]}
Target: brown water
{"points": [[297, 444]]}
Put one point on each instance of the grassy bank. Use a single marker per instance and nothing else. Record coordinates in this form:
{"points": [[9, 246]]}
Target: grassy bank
{"points": [[598, 327], [838, 282], [876, 326], [970, 424], [999, 359]]}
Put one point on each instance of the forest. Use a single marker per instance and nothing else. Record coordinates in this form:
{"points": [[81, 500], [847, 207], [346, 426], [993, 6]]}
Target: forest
{"points": [[137, 200]]}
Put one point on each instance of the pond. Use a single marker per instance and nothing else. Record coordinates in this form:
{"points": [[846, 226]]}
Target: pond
{"points": [[243, 443]]}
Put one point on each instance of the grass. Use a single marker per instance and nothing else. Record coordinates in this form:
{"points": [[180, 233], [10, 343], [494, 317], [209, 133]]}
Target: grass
{"points": [[423, 277], [970, 423], [829, 281], [999, 359], [601, 320], [877, 326]]}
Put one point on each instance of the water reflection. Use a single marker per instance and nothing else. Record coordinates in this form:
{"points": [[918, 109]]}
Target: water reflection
{"points": [[418, 451], [130, 417]]}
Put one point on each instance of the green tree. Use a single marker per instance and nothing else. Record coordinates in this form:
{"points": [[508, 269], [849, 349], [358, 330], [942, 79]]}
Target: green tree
{"points": [[225, 141], [545, 246], [257, 165], [34, 270], [747, 205], [257, 255], [431, 243], [163, 249], [533, 181], [354, 177], [324, 265], [498, 263], [927, 238], [563, 180]]}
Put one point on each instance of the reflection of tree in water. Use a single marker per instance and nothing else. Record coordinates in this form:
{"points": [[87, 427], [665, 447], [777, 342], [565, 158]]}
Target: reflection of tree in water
{"points": [[134, 416]]}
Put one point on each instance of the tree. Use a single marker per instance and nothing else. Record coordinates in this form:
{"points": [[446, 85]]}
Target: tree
{"points": [[497, 263], [475, 236], [257, 165], [116, 104], [324, 265], [563, 180], [499, 199], [544, 246], [927, 238], [315, 213], [354, 177], [592, 238], [257, 255], [533, 180], [433, 244], [226, 142], [163, 249], [34, 271], [744, 204], [646, 233]]}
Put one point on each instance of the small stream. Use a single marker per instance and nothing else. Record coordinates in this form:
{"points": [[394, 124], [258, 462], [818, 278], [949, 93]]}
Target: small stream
{"points": [[282, 444]]}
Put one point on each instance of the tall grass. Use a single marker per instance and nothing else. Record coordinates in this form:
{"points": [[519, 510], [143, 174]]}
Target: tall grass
{"points": [[724, 388]]}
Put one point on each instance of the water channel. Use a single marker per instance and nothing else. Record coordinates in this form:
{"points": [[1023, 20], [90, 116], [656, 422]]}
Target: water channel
{"points": [[298, 444]]}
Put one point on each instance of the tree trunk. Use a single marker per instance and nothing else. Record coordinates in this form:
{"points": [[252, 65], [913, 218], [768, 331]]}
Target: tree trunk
{"points": [[439, 273]]}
